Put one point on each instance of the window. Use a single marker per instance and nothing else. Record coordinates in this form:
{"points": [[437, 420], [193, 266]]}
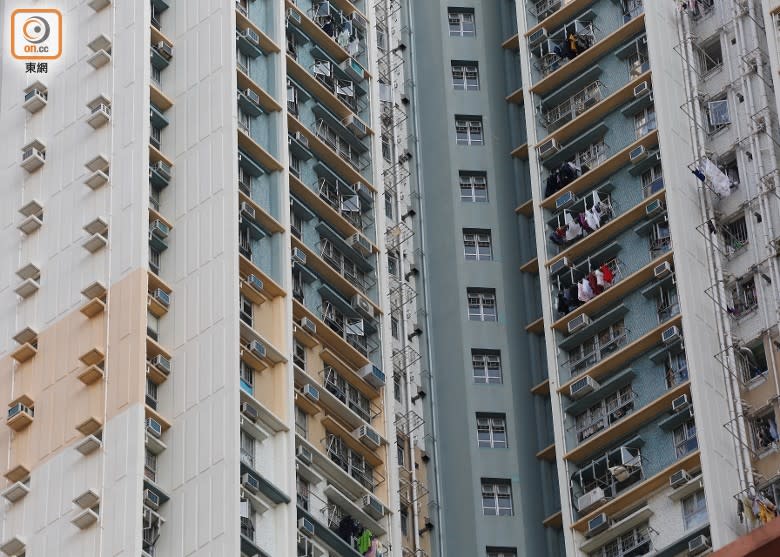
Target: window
{"points": [[156, 75], [247, 310], [501, 552], [301, 422], [387, 153], [694, 510], [299, 354], [465, 76], [154, 260], [247, 377], [302, 492], [718, 116], [667, 303], [597, 347], [652, 180], [631, 544], [497, 498], [296, 224], [751, 360], [151, 393], [638, 63], [389, 203], [394, 327], [152, 326], [743, 298], [676, 369], [645, 122], [685, 441], [468, 130], [155, 137], [660, 239], [150, 465], [473, 187], [393, 264], [295, 166], [491, 431], [244, 121], [243, 61], [477, 245], [400, 451], [404, 522], [247, 449], [397, 387], [735, 235], [482, 304], [486, 366], [763, 429], [710, 55], [461, 21]]}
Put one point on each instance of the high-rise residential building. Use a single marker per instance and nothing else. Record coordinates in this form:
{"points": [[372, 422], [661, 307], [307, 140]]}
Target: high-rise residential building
{"points": [[197, 345], [397, 278], [603, 359]]}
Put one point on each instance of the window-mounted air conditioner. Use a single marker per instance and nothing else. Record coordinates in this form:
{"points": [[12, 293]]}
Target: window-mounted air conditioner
{"points": [[250, 482], [373, 507], [161, 363], [641, 89], [548, 148], [578, 323], [162, 296], [257, 348], [254, 282], [373, 375], [303, 454], [597, 524], [294, 15], [249, 411], [680, 403], [590, 499], [299, 256], [301, 138], [653, 207], [565, 201], [661, 270], [361, 304], [247, 210], [309, 325], [698, 545], [582, 387], [670, 334], [306, 525], [360, 243], [151, 499], [154, 427], [366, 435], [637, 154], [537, 37], [679, 478], [311, 392], [252, 95]]}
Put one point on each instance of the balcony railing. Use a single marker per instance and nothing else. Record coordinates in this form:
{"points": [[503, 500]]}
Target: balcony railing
{"points": [[615, 410], [570, 298], [667, 311], [348, 271], [564, 45], [363, 476], [248, 458], [582, 364], [687, 446], [341, 147], [676, 376], [605, 477], [572, 107], [361, 343]]}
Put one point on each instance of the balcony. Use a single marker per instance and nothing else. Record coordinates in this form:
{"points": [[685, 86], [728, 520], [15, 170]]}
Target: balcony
{"points": [[316, 32], [252, 32], [338, 349], [557, 75], [606, 477], [324, 90], [259, 159], [626, 422], [557, 50], [614, 411], [603, 170]]}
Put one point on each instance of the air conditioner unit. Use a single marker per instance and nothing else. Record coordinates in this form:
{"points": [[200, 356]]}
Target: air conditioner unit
{"points": [[582, 387], [699, 544], [309, 325], [252, 95], [151, 499], [249, 411], [559, 265], [250, 482], [361, 304], [653, 207], [373, 375], [162, 363], [356, 125], [303, 454], [565, 201], [670, 334], [362, 190], [679, 478], [311, 392], [590, 499], [353, 69], [301, 138], [154, 427], [359, 21], [254, 282], [159, 229], [257, 348], [373, 507], [663, 269], [294, 15], [162, 296], [680, 403], [537, 37], [637, 154], [306, 525], [360, 243], [366, 435], [162, 168], [252, 36], [641, 89], [299, 256], [597, 524], [165, 50], [578, 323], [19, 408], [248, 210], [548, 148]]}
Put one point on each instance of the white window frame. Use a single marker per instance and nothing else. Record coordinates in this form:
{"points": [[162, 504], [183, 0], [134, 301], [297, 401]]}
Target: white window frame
{"points": [[491, 431], [486, 368], [482, 305], [682, 435], [469, 131], [465, 76], [497, 498], [461, 23], [694, 510], [645, 121], [473, 188], [477, 245]]}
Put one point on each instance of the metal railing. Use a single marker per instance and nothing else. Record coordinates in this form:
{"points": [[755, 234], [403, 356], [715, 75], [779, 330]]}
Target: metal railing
{"points": [[573, 106], [337, 262], [584, 363], [610, 413]]}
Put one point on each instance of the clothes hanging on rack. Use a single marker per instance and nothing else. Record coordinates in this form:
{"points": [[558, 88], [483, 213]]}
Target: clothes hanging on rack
{"points": [[721, 184], [608, 276]]}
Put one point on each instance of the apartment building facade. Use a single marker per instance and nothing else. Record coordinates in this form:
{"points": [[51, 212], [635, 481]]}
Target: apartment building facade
{"points": [[197, 305]]}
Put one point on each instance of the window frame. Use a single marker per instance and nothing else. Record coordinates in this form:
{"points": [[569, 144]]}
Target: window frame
{"points": [[497, 493], [492, 431], [473, 183], [479, 302], [486, 361], [697, 514], [459, 24], [465, 75], [477, 245], [469, 131]]}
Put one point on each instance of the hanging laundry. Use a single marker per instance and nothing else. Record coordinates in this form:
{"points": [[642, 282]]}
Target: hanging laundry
{"points": [[364, 541], [600, 278], [720, 183], [563, 306], [593, 217], [573, 229], [699, 174], [608, 276], [583, 221], [585, 291], [594, 285]]}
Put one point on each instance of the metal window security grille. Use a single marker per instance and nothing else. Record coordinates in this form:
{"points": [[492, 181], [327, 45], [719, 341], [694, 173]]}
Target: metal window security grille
{"points": [[605, 413], [247, 378], [486, 368], [469, 131], [685, 441], [482, 306], [247, 449], [299, 354], [667, 304], [744, 298], [477, 246], [652, 180], [491, 431], [497, 499], [301, 422], [676, 369], [473, 188], [645, 122], [302, 493], [597, 347]]}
